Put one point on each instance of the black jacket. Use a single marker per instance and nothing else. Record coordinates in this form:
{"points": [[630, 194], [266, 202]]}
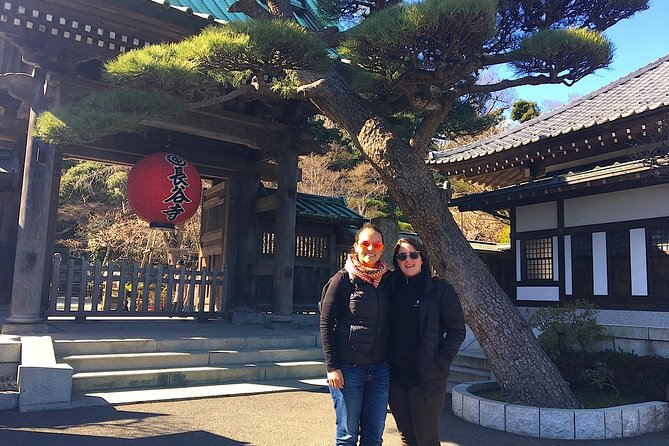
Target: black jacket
{"points": [[441, 328], [354, 321]]}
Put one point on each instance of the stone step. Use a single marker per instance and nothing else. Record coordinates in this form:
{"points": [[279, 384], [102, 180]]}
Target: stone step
{"points": [[157, 360], [474, 360], [461, 374], [110, 346], [135, 395], [221, 357], [188, 376]]}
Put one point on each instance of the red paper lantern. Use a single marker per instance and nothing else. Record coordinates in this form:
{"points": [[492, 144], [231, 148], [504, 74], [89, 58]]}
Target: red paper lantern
{"points": [[164, 189]]}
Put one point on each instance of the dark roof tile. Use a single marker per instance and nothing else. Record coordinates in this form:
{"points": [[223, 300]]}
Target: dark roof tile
{"points": [[643, 90]]}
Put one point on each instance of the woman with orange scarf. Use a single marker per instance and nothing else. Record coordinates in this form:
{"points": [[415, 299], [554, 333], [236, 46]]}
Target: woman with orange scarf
{"points": [[354, 334]]}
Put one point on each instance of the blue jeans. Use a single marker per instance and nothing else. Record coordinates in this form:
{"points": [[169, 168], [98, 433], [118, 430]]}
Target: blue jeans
{"points": [[361, 406]]}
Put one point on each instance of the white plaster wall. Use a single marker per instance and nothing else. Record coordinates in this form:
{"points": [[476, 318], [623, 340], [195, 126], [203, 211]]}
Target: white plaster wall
{"points": [[634, 204], [518, 260], [599, 269], [568, 290], [536, 217], [556, 260], [538, 293], [632, 318], [638, 262]]}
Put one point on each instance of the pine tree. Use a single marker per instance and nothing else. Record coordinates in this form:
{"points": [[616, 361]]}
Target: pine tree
{"points": [[406, 73]]}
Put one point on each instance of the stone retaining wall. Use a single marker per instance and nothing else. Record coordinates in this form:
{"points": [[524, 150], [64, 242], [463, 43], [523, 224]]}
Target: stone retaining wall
{"points": [[565, 424]]}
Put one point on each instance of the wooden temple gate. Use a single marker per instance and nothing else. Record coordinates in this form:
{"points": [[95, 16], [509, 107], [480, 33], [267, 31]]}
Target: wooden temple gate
{"points": [[51, 54]]}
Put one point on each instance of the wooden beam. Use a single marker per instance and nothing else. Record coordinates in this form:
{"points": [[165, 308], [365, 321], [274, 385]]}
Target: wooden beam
{"points": [[209, 165], [210, 126], [266, 204]]}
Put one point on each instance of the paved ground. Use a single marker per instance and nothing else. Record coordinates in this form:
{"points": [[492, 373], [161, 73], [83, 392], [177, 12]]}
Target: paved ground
{"points": [[277, 419], [299, 418]]}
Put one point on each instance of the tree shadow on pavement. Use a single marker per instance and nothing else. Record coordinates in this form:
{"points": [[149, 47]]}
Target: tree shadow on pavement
{"points": [[195, 438], [62, 419]]}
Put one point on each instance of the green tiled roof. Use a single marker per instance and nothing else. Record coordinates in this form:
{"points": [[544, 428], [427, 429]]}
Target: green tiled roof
{"points": [[304, 10], [330, 208]]}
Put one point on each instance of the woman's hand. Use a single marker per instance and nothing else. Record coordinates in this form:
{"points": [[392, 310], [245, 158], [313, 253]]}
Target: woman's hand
{"points": [[336, 379]]}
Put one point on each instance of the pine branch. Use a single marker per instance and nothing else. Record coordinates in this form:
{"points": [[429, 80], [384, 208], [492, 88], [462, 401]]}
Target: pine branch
{"points": [[428, 128], [251, 8], [280, 9], [239, 91]]}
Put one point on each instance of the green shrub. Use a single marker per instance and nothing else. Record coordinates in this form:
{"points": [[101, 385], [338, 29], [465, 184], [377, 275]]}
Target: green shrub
{"points": [[567, 327]]}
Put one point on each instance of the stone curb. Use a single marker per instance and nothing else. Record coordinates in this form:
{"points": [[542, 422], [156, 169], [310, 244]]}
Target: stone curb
{"points": [[9, 400], [564, 424]]}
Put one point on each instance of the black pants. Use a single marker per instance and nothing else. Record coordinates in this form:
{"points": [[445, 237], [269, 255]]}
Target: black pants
{"points": [[417, 412]]}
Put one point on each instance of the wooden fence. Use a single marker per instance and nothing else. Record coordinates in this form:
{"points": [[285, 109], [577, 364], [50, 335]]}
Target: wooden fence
{"points": [[81, 289]]}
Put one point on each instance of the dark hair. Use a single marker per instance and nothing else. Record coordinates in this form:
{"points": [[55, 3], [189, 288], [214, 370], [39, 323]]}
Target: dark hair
{"points": [[416, 244], [367, 225]]}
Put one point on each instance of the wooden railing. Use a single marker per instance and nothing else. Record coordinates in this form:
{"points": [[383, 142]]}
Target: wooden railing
{"points": [[81, 289]]}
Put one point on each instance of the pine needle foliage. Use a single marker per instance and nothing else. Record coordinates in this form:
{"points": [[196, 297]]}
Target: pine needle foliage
{"points": [[170, 67], [577, 50], [224, 54], [432, 35], [105, 113], [261, 47]]}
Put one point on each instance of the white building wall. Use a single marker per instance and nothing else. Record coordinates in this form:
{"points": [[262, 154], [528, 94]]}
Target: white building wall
{"points": [[568, 285], [536, 217], [599, 267], [556, 260], [518, 262], [638, 262], [538, 293], [626, 205]]}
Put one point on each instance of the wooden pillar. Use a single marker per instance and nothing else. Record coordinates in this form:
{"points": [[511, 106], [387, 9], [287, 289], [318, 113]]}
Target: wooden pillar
{"points": [[242, 239], [51, 225], [25, 310], [284, 240]]}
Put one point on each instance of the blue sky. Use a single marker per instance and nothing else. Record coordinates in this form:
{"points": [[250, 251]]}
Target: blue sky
{"points": [[638, 41]]}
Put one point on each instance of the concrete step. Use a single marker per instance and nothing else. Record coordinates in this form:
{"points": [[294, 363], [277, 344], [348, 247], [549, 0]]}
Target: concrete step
{"points": [[157, 360], [128, 396], [474, 360], [188, 376], [111, 346], [459, 374]]}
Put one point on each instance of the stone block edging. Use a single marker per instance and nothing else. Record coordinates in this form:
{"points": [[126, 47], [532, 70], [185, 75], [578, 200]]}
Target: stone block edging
{"points": [[565, 424], [9, 400]]}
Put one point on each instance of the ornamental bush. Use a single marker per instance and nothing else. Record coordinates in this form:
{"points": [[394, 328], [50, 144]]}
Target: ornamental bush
{"points": [[572, 326]]}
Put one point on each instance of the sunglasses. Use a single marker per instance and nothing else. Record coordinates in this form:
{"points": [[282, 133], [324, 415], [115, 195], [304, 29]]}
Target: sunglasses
{"points": [[402, 256], [376, 245]]}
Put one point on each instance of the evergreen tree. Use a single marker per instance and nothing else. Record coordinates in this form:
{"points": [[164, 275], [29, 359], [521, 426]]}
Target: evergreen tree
{"points": [[407, 72], [524, 110]]}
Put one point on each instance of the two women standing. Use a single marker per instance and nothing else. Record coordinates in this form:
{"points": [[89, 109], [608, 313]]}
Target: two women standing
{"points": [[368, 318]]}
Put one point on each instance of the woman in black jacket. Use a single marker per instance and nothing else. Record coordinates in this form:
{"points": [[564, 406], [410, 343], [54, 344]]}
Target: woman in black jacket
{"points": [[426, 329], [354, 334]]}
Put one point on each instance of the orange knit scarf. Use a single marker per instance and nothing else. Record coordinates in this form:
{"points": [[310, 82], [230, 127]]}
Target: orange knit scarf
{"points": [[369, 275]]}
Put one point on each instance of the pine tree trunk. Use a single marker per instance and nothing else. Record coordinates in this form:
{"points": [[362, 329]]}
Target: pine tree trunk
{"points": [[523, 370]]}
